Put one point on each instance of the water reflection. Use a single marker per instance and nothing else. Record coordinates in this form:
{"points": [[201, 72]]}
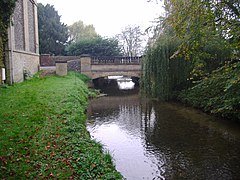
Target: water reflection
{"points": [[164, 141], [125, 83], [118, 127]]}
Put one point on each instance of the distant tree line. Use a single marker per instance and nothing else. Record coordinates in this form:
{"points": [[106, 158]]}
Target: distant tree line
{"points": [[56, 38]]}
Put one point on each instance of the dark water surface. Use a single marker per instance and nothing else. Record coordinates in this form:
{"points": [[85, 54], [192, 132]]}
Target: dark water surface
{"points": [[154, 140]]}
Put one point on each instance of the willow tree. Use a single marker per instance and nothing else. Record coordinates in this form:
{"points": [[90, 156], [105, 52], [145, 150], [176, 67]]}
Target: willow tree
{"points": [[162, 72], [155, 77]]}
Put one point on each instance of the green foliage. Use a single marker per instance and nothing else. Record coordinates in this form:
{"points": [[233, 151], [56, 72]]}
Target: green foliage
{"points": [[227, 19], [43, 133], [161, 74], [219, 93], [6, 10], [96, 47], [207, 36], [53, 35], [79, 31], [155, 78]]}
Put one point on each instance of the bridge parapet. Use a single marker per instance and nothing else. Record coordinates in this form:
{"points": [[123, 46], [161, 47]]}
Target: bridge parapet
{"points": [[116, 60], [95, 67]]}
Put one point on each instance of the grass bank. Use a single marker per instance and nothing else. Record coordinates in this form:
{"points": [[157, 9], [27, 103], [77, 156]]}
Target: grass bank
{"points": [[43, 133]]}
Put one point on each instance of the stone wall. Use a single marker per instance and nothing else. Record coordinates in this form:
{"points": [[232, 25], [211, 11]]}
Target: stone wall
{"points": [[73, 62], [74, 65], [64, 58], [86, 65], [47, 60], [18, 24], [24, 61], [31, 27]]}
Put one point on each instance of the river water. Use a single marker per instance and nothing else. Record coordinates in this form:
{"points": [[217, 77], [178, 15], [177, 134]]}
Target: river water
{"points": [[158, 140]]}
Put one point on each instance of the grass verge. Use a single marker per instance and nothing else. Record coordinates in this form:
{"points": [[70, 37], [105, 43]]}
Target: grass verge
{"points": [[43, 133]]}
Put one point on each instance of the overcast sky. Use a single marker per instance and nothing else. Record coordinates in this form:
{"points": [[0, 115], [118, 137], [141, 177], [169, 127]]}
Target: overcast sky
{"points": [[108, 17]]}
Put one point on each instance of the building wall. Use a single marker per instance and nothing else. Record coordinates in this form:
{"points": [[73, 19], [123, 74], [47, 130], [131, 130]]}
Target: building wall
{"points": [[18, 23], [23, 61], [23, 47]]}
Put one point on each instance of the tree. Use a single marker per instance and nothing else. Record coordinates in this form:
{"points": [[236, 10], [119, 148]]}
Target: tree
{"points": [[207, 37], [96, 47], [79, 31], [162, 72], [227, 19], [202, 34], [53, 35], [6, 10], [131, 39], [197, 21]]}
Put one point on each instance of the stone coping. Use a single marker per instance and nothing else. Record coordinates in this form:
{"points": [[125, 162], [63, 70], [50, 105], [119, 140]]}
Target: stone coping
{"points": [[64, 61]]}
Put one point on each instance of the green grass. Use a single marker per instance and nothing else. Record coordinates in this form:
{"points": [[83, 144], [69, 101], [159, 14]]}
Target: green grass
{"points": [[43, 132]]}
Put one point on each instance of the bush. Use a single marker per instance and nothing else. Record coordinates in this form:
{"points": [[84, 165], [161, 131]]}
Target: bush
{"points": [[219, 93], [96, 47]]}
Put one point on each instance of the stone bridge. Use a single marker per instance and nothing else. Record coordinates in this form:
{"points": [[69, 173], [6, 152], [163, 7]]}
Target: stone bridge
{"points": [[96, 67]]}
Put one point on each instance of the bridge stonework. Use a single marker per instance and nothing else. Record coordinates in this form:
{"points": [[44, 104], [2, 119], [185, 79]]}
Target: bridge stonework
{"points": [[96, 67]]}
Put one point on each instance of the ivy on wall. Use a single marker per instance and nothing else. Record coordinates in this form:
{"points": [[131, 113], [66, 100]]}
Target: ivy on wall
{"points": [[6, 10]]}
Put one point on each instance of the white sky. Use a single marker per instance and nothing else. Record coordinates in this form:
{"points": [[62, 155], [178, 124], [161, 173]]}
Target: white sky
{"points": [[109, 17]]}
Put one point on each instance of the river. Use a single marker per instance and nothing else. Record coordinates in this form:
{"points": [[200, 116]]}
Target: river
{"points": [[159, 140]]}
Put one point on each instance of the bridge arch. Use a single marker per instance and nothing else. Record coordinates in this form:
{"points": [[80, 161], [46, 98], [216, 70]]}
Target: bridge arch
{"points": [[130, 74]]}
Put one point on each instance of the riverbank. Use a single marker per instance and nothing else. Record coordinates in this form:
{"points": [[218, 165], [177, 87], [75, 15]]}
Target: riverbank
{"points": [[43, 132], [218, 93]]}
